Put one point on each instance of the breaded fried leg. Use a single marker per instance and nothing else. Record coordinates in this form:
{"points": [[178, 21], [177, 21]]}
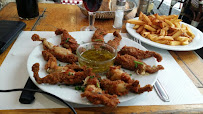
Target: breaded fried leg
{"points": [[116, 41], [98, 35], [95, 95], [115, 73], [67, 40], [139, 54], [92, 80], [117, 87], [131, 63], [51, 65], [61, 54], [70, 77], [120, 88], [135, 87]]}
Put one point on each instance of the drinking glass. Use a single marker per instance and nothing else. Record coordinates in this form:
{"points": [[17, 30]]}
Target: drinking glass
{"points": [[27, 9], [91, 6]]}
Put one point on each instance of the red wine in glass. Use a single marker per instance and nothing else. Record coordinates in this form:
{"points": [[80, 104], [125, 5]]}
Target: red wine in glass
{"points": [[91, 6]]}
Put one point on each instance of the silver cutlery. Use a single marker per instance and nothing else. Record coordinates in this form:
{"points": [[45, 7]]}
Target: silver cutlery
{"points": [[161, 92]]}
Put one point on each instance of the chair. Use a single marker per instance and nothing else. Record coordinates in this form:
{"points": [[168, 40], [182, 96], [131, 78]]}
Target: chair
{"points": [[173, 2], [197, 12], [192, 9], [1, 5], [191, 13]]}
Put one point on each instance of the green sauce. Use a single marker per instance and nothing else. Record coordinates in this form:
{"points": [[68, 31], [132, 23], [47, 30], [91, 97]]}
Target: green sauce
{"points": [[97, 55], [97, 59]]}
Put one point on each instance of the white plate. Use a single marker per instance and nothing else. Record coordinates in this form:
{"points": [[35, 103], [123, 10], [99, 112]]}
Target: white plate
{"points": [[68, 93], [195, 44]]}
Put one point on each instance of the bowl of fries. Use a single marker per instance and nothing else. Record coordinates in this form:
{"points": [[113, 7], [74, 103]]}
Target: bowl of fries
{"points": [[163, 29]]}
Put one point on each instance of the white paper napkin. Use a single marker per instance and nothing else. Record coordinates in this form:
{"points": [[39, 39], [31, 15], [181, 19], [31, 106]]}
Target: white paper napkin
{"points": [[13, 74]]}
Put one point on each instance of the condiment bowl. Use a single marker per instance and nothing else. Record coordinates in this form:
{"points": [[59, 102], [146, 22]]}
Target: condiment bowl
{"points": [[98, 56]]}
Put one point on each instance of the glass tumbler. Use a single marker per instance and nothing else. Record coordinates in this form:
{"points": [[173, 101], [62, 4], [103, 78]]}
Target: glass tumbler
{"points": [[27, 9]]}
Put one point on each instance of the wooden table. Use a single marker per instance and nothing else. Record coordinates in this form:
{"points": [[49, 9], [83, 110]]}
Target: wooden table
{"points": [[70, 18]]}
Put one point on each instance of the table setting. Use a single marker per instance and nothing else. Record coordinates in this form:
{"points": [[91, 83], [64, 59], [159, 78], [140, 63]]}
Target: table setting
{"points": [[16, 69], [175, 90]]}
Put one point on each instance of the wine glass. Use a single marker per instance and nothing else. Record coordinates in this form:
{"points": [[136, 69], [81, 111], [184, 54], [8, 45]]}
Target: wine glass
{"points": [[91, 6]]}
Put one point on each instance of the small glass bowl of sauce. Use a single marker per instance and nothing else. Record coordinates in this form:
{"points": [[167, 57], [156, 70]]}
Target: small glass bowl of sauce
{"points": [[98, 56]]}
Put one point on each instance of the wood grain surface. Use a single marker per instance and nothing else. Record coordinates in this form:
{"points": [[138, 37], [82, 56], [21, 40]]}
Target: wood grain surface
{"points": [[70, 18], [168, 109]]}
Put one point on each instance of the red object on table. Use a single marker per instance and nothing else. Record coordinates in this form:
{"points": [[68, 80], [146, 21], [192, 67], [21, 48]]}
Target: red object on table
{"points": [[71, 2]]}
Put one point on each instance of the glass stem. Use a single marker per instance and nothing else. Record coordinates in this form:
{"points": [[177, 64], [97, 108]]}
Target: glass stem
{"points": [[91, 19]]}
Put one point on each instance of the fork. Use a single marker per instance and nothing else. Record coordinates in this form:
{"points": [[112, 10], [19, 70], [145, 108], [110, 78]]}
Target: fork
{"points": [[161, 92]]}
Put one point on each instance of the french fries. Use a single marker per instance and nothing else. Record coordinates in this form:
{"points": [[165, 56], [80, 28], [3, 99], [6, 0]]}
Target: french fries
{"points": [[163, 29], [136, 22]]}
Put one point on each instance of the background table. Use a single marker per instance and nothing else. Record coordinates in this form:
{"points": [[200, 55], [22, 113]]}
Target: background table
{"points": [[69, 17]]}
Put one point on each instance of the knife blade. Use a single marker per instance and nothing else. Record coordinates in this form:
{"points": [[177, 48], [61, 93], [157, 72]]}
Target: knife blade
{"points": [[27, 97], [161, 92]]}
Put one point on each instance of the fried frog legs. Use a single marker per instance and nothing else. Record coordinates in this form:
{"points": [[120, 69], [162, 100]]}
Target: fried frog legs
{"points": [[51, 65], [116, 41], [131, 63], [96, 95], [120, 83], [139, 54], [61, 54], [69, 77], [98, 35], [67, 40]]}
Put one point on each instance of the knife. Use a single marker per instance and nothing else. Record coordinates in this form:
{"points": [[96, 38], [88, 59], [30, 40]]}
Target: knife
{"points": [[27, 97], [161, 92]]}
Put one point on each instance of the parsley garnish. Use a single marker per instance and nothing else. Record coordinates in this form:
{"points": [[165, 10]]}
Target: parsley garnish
{"points": [[130, 74], [77, 87], [136, 63], [59, 65], [82, 88], [91, 77], [102, 47], [67, 39], [98, 85], [98, 40], [70, 73]]}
